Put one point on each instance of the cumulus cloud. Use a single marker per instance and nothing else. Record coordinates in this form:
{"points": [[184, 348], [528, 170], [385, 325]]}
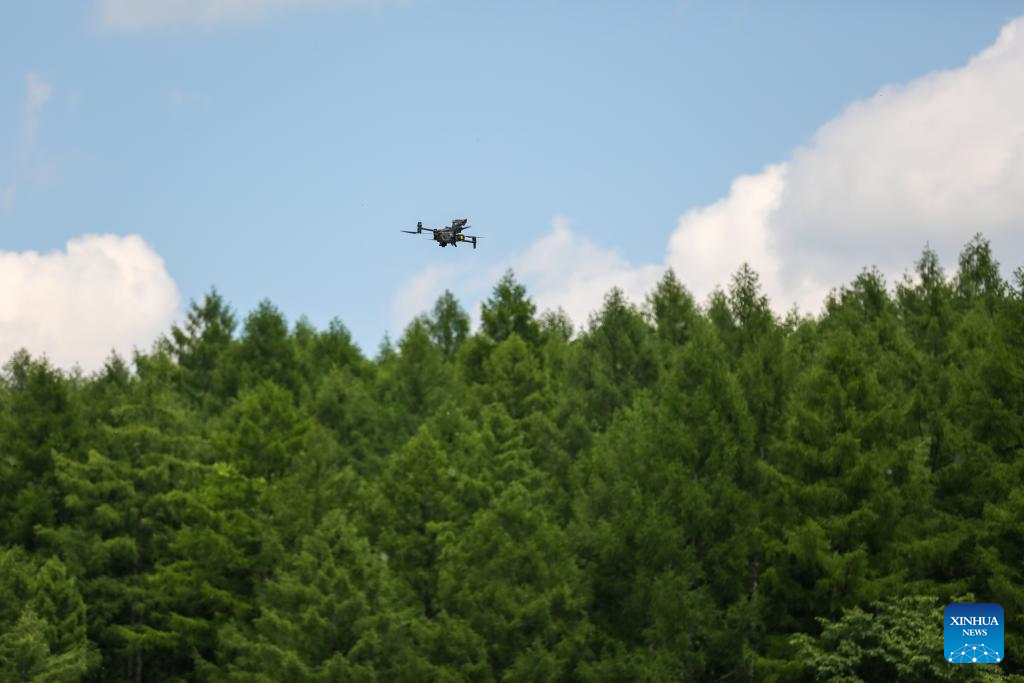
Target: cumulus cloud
{"points": [[711, 242], [566, 270], [935, 160], [135, 14], [102, 292], [931, 161]]}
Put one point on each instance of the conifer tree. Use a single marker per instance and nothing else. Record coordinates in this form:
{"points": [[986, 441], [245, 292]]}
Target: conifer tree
{"points": [[332, 612], [449, 324], [617, 357], [416, 497], [199, 345], [511, 577], [673, 310], [265, 351], [42, 621], [509, 311], [39, 417]]}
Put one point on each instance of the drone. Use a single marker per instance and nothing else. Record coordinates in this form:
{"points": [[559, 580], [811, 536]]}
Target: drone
{"points": [[450, 234]]}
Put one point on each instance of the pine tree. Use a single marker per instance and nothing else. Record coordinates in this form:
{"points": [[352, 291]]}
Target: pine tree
{"points": [[200, 344], [417, 380], [617, 358], [509, 311], [320, 353], [265, 352], [448, 324], [673, 310], [416, 497], [261, 433], [511, 577], [663, 524], [42, 621], [757, 350], [332, 612], [40, 418]]}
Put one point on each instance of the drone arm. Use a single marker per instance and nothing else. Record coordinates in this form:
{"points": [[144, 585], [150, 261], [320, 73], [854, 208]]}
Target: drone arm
{"points": [[419, 229]]}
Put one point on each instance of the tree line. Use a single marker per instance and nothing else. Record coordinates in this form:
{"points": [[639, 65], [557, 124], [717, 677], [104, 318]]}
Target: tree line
{"points": [[680, 491]]}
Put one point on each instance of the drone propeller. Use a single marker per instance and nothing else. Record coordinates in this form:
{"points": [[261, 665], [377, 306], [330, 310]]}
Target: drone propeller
{"points": [[411, 232]]}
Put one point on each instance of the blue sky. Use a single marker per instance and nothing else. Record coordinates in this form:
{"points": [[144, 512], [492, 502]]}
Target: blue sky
{"points": [[275, 148]]}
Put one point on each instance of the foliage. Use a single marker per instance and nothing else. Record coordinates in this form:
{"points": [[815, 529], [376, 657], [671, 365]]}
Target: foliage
{"points": [[675, 492]]}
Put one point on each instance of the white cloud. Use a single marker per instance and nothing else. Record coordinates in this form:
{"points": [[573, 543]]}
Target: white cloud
{"points": [[148, 14], [932, 161], [711, 242], [935, 160], [102, 292], [565, 269]]}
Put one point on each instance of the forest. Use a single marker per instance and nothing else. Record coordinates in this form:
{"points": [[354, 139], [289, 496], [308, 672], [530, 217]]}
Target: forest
{"points": [[680, 491]]}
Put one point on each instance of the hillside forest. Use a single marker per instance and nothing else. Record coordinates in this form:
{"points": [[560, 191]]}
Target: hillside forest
{"points": [[679, 491]]}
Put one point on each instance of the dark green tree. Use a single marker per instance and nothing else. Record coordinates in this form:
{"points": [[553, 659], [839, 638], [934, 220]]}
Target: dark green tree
{"points": [[416, 496], [673, 310], [978, 278], [757, 351], [200, 343], [416, 381], [509, 311], [617, 357], [448, 324], [40, 417], [322, 352], [513, 580], [42, 621], [332, 612], [262, 432], [265, 351], [665, 528]]}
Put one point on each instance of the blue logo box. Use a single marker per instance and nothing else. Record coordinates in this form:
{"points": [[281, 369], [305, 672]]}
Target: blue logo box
{"points": [[973, 633]]}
